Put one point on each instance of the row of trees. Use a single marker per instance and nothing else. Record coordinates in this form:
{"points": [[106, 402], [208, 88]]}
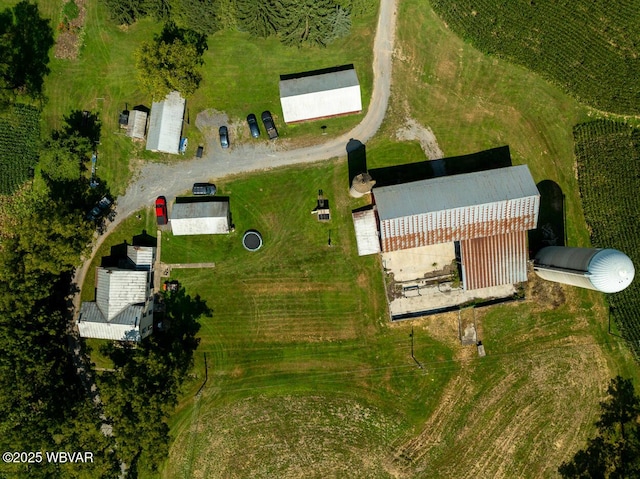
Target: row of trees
{"points": [[142, 392], [43, 406], [294, 22]]}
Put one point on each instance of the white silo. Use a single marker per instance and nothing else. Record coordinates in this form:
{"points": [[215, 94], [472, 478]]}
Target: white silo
{"points": [[361, 185], [605, 270]]}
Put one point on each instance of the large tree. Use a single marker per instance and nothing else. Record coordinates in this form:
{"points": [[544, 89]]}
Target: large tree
{"points": [[295, 22], [64, 156], [203, 16], [171, 61], [126, 12], [260, 18], [615, 451], [309, 22]]}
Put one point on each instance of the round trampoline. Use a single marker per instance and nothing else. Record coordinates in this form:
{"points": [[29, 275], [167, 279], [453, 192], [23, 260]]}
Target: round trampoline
{"points": [[252, 240]]}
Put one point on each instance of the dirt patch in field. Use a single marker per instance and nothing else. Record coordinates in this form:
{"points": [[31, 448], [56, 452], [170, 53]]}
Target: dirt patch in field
{"points": [[412, 130], [69, 39], [286, 436], [544, 294]]}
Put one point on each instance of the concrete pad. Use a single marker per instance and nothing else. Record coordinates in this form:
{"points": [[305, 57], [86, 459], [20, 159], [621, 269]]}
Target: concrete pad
{"points": [[443, 296], [414, 263]]}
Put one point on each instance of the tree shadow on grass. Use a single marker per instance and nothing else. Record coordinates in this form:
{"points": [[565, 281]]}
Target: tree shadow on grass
{"points": [[85, 123], [177, 337]]}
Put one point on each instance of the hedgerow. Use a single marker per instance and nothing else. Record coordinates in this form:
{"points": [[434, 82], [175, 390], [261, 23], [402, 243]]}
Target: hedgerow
{"points": [[608, 156], [591, 48]]}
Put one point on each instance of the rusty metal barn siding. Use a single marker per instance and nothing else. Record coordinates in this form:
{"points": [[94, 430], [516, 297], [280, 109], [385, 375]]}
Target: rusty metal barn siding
{"points": [[459, 224], [494, 260]]}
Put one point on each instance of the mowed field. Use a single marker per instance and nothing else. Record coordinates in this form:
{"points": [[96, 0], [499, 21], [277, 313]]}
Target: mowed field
{"points": [[305, 375]]}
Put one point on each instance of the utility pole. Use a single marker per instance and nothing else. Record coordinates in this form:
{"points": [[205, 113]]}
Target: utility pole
{"points": [[412, 356], [411, 336]]}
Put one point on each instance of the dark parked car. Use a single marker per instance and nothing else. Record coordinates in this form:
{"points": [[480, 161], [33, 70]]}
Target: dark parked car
{"points": [[267, 119], [224, 136], [204, 189], [200, 151], [253, 125], [161, 210], [103, 206]]}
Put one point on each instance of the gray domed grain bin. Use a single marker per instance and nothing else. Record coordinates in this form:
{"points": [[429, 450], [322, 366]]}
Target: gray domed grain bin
{"points": [[605, 270]]}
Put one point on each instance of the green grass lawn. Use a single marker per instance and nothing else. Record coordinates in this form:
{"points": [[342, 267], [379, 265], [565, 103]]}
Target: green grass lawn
{"points": [[300, 322]]}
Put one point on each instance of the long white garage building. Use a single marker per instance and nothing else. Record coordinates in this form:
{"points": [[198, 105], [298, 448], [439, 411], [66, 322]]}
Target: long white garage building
{"points": [[201, 217], [320, 94]]}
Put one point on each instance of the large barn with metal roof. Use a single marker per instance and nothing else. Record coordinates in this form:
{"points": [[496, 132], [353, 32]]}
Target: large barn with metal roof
{"points": [[485, 215]]}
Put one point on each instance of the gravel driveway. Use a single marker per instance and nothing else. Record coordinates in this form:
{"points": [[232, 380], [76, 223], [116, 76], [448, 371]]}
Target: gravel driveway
{"points": [[169, 180]]}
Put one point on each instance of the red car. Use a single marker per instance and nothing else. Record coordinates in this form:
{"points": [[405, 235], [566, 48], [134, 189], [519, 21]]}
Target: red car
{"points": [[161, 210]]}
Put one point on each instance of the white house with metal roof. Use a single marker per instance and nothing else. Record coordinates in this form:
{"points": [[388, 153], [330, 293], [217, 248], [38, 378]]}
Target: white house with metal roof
{"points": [[486, 213], [320, 94], [201, 217], [123, 309], [165, 124]]}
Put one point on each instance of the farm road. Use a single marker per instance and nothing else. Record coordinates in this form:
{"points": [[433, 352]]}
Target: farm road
{"points": [[156, 179], [169, 180]]}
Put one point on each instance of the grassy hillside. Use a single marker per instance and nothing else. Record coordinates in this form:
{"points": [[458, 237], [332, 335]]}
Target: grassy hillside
{"points": [[589, 48], [608, 155]]}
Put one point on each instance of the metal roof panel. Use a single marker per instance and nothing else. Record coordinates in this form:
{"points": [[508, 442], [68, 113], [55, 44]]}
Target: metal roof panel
{"points": [[458, 191], [494, 260]]}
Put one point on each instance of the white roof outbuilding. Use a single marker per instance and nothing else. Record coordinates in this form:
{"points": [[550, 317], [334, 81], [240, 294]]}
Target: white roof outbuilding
{"points": [[165, 125], [201, 218], [320, 94], [366, 226]]}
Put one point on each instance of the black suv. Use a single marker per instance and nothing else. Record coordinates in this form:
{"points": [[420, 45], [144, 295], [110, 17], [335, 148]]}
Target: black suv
{"points": [[267, 119], [224, 136], [253, 125], [204, 189]]}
